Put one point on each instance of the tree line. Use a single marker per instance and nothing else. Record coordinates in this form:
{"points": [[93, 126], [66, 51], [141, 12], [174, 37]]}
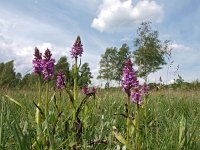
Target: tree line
{"points": [[9, 78]]}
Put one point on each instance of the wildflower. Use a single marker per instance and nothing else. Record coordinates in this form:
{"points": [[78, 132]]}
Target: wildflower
{"points": [[145, 89], [77, 49], [37, 54], [47, 55], [88, 91], [94, 90], [61, 80], [48, 65], [137, 96], [129, 79], [37, 62], [85, 89]]}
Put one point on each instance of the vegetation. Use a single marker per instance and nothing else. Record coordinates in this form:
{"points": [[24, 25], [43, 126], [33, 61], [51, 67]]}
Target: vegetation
{"points": [[173, 119], [10, 79], [55, 109], [114, 60], [108, 63], [150, 51]]}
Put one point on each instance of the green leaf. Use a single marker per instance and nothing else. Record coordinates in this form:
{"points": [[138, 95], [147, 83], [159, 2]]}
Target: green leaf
{"points": [[182, 127], [118, 136], [15, 101], [72, 143]]}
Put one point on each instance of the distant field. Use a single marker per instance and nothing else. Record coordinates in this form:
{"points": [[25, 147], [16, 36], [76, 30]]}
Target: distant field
{"points": [[173, 120]]}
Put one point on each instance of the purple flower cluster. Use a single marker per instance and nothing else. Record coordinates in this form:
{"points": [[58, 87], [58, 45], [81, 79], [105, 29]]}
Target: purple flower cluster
{"points": [[48, 65], [88, 91], [129, 79], [130, 84], [136, 96], [77, 49], [61, 80], [44, 66], [145, 89], [37, 61]]}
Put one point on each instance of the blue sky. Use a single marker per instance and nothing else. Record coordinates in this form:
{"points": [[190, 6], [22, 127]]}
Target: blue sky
{"points": [[55, 24]]}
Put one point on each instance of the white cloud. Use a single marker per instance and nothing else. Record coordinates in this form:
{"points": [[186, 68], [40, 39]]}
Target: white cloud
{"points": [[118, 15], [180, 47]]}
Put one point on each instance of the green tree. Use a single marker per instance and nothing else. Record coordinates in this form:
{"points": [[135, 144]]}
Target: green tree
{"points": [[2, 65], [150, 51], [18, 76], [108, 65], [122, 56], [18, 79], [85, 75], [179, 82], [30, 81], [62, 64], [7, 74]]}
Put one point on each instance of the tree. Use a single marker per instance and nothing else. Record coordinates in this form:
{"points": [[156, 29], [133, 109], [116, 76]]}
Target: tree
{"points": [[108, 65], [7, 74], [2, 65], [150, 51], [122, 56], [18, 76], [29, 80], [179, 81], [18, 79], [85, 75]]}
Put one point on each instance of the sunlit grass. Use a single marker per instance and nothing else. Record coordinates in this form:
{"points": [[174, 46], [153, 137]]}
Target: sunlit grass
{"points": [[169, 114]]}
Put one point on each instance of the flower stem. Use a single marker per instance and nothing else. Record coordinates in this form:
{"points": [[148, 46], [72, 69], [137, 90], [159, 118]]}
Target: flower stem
{"points": [[137, 127], [50, 137], [75, 79], [38, 115], [128, 121], [47, 100], [75, 87], [146, 125], [60, 102], [75, 94]]}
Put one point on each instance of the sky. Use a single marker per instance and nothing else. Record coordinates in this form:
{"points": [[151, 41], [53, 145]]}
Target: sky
{"points": [[55, 24]]}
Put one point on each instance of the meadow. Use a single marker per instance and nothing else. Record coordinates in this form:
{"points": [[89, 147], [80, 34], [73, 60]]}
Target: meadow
{"points": [[173, 118], [51, 114]]}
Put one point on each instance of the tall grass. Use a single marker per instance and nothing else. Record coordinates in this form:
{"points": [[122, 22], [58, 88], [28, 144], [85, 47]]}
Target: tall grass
{"points": [[173, 119]]}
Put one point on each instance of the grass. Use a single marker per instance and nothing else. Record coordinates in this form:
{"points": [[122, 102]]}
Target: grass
{"points": [[173, 120]]}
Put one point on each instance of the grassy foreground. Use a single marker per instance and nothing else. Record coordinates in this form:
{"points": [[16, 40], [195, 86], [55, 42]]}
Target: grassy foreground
{"points": [[173, 119]]}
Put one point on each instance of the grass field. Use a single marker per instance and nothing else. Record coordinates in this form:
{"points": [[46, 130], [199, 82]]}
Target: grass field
{"points": [[173, 119]]}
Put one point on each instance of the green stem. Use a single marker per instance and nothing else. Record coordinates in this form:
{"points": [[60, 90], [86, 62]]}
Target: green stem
{"points": [[47, 100], [137, 127], [50, 136], [145, 113], [75, 95], [46, 110], [60, 102], [128, 121], [75, 79], [75, 87], [38, 115]]}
